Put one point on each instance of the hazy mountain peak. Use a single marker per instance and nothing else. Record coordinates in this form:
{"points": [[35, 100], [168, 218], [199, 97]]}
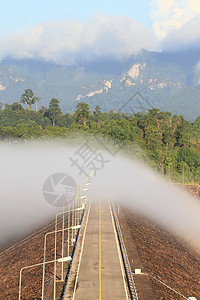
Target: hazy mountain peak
{"points": [[170, 80]]}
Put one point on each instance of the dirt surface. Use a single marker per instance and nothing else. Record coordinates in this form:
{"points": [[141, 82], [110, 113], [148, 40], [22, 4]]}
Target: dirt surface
{"points": [[193, 189], [28, 252], [149, 247], [161, 254]]}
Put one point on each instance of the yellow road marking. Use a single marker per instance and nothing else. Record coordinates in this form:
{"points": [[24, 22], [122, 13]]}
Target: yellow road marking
{"points": [[99, 250]]}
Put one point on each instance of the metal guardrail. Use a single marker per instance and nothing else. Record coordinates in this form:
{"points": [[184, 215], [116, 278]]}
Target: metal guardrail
{"points": [[64, 291], [129, 276]]}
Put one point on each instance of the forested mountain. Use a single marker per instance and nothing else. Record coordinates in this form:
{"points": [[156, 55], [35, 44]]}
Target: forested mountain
{"points": [[167, 81], [167, 142]]}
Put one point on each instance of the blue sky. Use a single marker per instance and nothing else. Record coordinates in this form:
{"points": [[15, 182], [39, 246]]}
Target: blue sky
{"points": [[18, 15], [65, 31]]}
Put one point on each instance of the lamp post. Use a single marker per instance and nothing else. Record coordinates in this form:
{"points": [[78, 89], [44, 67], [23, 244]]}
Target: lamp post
{"points": [[64, 259], [61, 260], [60, 213], [73, 227], [183, 180], [184, 173], [72, 191], [68, 218], [162, 170]]}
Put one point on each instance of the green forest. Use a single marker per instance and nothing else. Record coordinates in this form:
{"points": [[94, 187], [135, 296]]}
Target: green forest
{"points": [[170, 143]]}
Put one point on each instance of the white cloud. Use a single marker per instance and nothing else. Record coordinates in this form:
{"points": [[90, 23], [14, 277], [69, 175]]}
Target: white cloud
{"points": [[184, 38], [172, 14], [176, 27], [68, 41]]}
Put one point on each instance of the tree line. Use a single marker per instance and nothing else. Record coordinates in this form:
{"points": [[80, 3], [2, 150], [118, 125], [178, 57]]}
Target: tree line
{"points": [[171, 144]]}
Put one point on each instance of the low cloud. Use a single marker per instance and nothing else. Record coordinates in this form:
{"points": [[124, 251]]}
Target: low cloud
{"points": [[185, 38], [172, 14], [176, 28], [70, 41]]}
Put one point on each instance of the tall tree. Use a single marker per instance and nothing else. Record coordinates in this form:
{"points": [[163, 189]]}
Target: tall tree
{"points": [[82, 112], [54, 111], [28, 98], [97, 111], [36, 100]]}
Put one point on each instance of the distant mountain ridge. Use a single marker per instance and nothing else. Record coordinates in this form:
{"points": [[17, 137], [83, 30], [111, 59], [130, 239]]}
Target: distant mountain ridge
{"points": [[169, 81]]}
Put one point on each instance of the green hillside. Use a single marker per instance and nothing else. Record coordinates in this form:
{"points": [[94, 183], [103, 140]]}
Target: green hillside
{"points": [[169, 143]]}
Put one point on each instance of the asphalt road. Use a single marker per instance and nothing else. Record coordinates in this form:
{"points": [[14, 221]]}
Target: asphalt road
{"points": [[100, 275]]}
